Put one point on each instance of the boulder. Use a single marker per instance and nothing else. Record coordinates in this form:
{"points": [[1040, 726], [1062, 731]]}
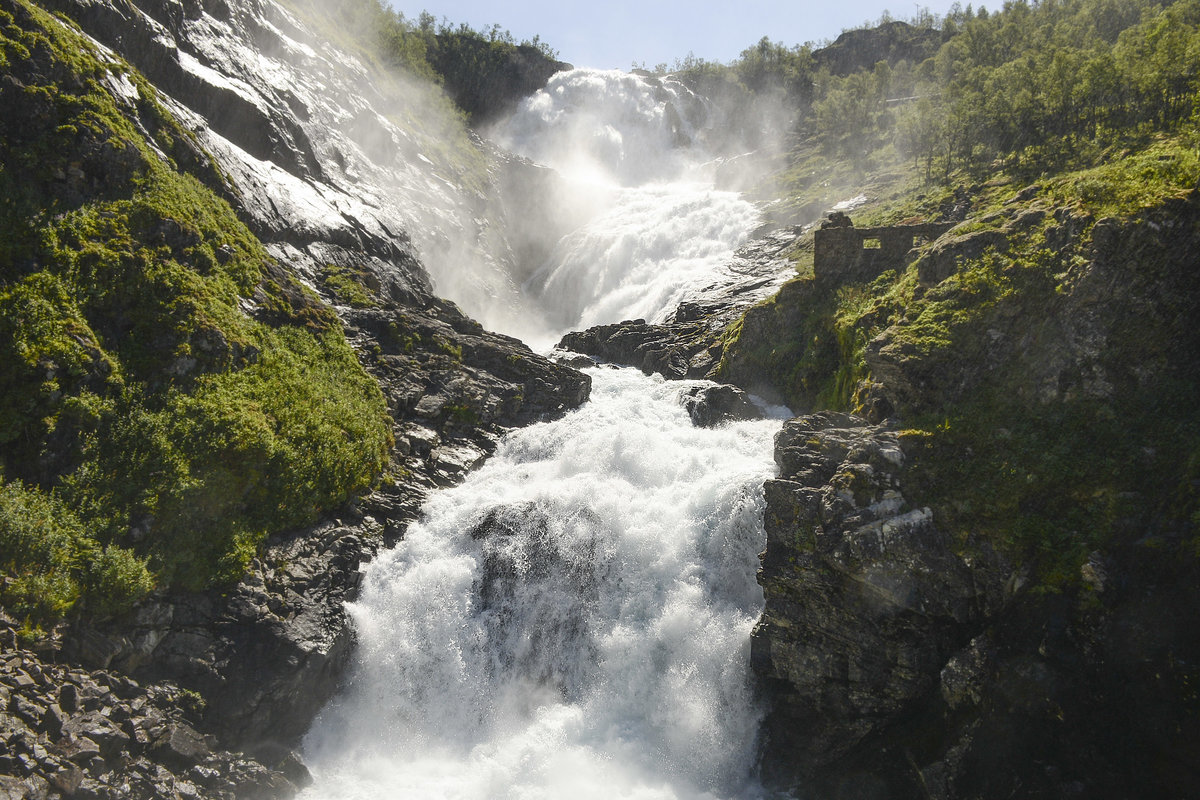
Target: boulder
{"points": [[709, 406]]}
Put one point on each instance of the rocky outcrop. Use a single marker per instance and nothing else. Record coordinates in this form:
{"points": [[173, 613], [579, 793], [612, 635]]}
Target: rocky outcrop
{"points": [[906, 658], [1111, 326], [70, 732], [866, 599], [691, 343], [863, 48]]}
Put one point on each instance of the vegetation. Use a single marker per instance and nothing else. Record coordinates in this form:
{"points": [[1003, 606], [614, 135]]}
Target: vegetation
{"points": [[1040, 86], [480, 70], [153, 432], [1096, 102]]}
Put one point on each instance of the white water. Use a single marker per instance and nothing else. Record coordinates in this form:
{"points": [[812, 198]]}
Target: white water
{"points": [[648, 228], [573, 620], [594, 645]]}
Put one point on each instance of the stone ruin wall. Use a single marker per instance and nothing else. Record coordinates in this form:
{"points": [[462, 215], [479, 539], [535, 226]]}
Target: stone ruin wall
{"points": [[847, 253]]}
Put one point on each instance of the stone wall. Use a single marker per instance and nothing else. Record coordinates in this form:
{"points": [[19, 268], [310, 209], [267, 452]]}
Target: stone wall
{"points": [[847, 253]]}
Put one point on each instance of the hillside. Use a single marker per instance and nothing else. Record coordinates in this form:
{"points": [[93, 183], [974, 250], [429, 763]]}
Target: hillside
{"points": [[230, 377]]}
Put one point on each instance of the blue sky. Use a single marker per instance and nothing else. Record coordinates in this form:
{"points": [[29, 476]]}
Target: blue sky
{"points": [[617, 33]]}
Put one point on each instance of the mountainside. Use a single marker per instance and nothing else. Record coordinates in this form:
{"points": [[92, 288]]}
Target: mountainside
{"points": [[175, 392], [229, 377]]}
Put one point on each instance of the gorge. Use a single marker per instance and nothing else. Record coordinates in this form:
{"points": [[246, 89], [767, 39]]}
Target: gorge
{"points": [[352, 452]]}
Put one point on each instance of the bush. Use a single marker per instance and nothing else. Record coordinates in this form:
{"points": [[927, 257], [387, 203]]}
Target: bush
{"points": [[49, 562]]}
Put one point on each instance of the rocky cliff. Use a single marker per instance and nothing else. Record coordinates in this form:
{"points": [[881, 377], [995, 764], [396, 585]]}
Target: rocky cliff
{"points": [[983, 582], [306, 180], [989, 590]]}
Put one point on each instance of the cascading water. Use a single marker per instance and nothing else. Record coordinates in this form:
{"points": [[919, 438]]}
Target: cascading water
{"points": [[573, 620], [645, 225]]}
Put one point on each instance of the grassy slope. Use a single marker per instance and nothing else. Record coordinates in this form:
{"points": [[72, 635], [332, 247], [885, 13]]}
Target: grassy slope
{"points": [[1049, 477], [153, 431]]}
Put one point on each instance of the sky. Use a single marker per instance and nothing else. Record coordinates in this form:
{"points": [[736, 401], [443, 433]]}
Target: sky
{"points": [[617, 34]]}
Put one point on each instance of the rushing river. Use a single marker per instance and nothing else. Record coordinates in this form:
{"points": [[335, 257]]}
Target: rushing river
{"points": [[573, 620]]}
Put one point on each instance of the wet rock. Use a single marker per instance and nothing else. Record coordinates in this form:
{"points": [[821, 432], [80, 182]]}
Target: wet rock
{"points": [[866, 599], [691, 343], [709, 406]]}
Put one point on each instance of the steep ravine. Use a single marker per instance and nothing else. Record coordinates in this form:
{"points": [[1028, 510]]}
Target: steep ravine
{"points": [[260, 657], [902, 652], [322, 187]]}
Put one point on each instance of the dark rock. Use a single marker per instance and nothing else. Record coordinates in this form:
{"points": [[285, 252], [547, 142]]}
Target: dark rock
{"points": [[559, 556], [95, 727], [180, 747], [79, 749], [863, 48], [52, 721], [67, 780], [709, 406], [32, 788], [294, 769], [512, 74], [68, 698], [866, 599]]}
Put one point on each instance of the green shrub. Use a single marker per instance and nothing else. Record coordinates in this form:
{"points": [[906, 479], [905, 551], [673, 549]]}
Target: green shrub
{"points": [[49, 562], [135, 390]]}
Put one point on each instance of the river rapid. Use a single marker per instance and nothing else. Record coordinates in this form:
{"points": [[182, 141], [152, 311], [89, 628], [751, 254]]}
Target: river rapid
{"points": [[573, 620]]}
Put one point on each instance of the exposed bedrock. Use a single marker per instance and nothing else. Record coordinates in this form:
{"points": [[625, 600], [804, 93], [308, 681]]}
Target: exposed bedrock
{"points": [[866, 598], [334, 204], [690, 344]]}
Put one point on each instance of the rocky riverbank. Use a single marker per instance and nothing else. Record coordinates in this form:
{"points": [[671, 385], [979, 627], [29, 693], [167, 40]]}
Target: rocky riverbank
{"points": [[205, 693]]}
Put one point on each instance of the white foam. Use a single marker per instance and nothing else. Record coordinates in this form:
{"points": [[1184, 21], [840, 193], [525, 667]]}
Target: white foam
{"points": [[607, 654]]}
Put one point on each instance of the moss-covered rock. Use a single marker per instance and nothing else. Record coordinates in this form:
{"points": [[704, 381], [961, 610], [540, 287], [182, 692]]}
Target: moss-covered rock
{"points": [[161, 377]]}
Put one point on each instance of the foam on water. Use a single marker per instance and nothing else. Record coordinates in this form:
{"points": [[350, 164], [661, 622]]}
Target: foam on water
{"points": [[653, 228], [572, 621]]}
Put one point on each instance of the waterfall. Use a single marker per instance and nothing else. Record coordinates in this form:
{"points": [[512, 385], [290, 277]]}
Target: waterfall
{"points": [[573, 620], [643, 225]]}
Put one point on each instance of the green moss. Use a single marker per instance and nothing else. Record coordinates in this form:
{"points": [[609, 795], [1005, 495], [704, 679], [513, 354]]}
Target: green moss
{"points": [[1133, 179], [136, 391], [50, 563], [1049, 488], [349, 287], [462, 414]]}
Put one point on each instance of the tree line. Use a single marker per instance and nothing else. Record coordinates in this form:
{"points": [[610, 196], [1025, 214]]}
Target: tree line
{"points": [[1036, 84], [479, 69]]}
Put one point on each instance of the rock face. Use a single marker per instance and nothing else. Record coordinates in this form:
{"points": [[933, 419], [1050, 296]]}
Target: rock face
{"points": [[891, 42], [71, 732], [1112, 327], [325, 162], [866, 598], [905, 657], [690, 345]]}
